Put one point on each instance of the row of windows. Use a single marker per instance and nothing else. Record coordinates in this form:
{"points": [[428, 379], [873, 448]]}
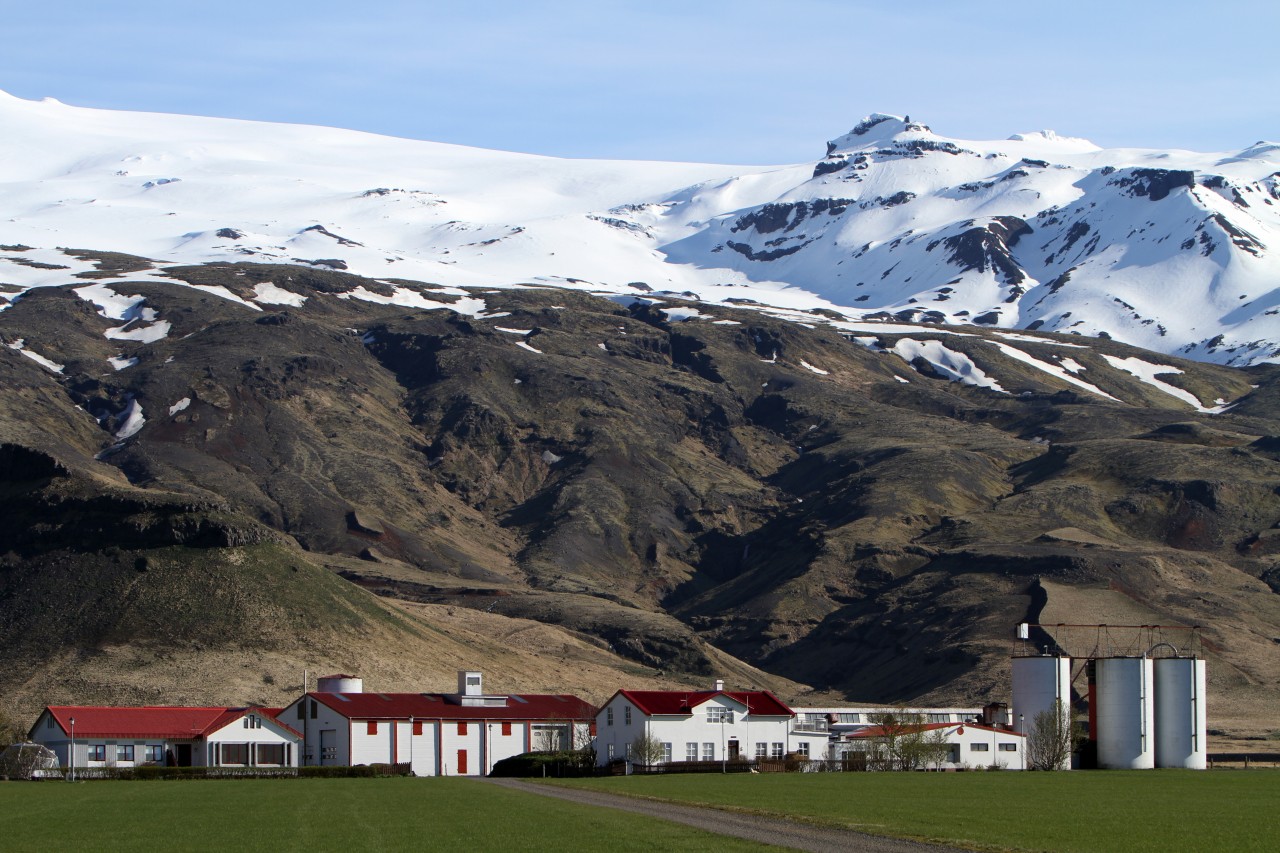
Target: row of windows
{"points": [[371, 728], [126, 752], [986, 747]]}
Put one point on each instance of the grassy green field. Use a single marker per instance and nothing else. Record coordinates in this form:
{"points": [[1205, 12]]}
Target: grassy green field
{"points": [[1158, 810], [321, 814]]}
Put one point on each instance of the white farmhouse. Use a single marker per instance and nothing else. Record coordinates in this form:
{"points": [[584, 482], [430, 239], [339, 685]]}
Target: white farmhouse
{"points": [[108, 737], [437, 734], [706, 725]]}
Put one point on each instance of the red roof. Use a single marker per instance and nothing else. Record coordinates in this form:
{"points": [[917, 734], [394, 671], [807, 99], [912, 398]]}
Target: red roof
{"points": [[881, 731], [439, 706], [761, 703], [161, 722]]}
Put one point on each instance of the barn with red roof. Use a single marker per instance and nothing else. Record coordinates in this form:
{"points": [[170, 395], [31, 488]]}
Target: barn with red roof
{"points": [[437, 734], [105, 737]]}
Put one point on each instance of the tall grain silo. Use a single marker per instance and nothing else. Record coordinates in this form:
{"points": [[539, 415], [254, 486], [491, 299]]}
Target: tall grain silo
{"points": [[1125, 716], [1181, 722], [1038, 682]]}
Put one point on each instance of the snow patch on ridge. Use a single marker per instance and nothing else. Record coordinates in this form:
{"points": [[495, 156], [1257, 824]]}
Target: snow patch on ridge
{"points": [[955, 366]]}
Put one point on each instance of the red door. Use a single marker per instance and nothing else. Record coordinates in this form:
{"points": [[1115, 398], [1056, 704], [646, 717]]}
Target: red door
{"points": [[462, 762]]}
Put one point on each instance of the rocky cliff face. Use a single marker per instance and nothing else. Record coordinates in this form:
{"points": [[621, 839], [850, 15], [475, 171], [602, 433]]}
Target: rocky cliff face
{"points": [[234, 458]]}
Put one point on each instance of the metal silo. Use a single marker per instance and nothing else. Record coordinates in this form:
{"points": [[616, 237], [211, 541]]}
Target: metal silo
{"points": [[1037, 683], [340, 684], [1125, 716], [1181, 724]]}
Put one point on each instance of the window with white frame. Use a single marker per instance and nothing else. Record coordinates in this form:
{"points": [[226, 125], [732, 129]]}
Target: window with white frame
{"points": [[97, 752], [762, 749], [803, 748], [608, 716], [690, 751], [776, 751], [611, 752], [939, 718], [626, 715], [124, 752], [719, 714], [979, 747], [666, 753], [155, 752], [1008, 747], [708, 751], [252, 721], [849, 718]]}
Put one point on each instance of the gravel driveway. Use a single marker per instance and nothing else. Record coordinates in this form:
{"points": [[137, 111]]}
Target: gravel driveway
{"points": [[765, 830]]}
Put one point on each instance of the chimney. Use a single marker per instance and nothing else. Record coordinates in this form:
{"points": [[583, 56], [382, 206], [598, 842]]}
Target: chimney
{"points": [[719, 684], [470, 683]]}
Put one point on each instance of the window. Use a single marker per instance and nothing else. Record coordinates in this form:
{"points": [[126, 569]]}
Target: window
{"points": [[473, 681], [626, 715], [124, 752], [776, 752], [608, 716], [979, 747], [1008, 747], [97, 752], [690, 752], [939, 718], [708, 752], [252, 721], [371, 728], [803, 748], [627, 750], [302, 710], [506, 730], [611, 752], [417, 727], [719, 714], [462, 728], [313, 709], [762, 749], [235, 753], [155, 753], [666, 753], [269, 753], [849, 718], [48, 722]]}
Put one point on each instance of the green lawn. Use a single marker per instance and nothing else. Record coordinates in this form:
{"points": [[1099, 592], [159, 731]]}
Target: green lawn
{"points": [[1157, 810], [321, 814]]}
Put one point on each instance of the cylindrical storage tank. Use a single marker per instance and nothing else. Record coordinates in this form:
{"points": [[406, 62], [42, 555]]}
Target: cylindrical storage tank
{"points": [[1181, 723], [1038, 682], [1126, 712], [339, 684]]}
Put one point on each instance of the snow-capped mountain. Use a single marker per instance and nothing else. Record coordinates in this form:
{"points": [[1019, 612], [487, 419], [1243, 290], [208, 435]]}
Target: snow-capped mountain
{"points": [[1165, 250]]}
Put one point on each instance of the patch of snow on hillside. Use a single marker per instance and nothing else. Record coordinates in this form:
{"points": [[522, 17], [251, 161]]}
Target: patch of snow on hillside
{"points": [[147, 334], [409, 298], [21, 346], [1071, 364], [818, 370], [268, 294], [111, 305], [677, 315], [955, 366], [179, 406], [1038, 340], [119, 362], [523, 345], [1051, 369], [133, 421], [512, 331], [1147, 372]]}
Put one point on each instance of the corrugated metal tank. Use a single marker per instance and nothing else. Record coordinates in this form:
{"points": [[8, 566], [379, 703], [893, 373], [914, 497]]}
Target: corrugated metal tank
{"points": [[1126, 712], [339, 684], [1037, 683], [1181, 723]]}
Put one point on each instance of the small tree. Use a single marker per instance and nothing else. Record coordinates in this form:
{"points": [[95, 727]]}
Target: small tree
{"points": [[902, 742], [1051, 739], [648, 750]]}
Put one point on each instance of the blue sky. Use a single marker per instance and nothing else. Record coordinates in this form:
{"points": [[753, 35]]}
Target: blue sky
{"points": [[742, 82]]}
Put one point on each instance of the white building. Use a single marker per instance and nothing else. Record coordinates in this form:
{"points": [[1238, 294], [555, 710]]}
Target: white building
{"points": [[107, 737], [437, 734], [845, 720], [968, 745], [707, 725]]}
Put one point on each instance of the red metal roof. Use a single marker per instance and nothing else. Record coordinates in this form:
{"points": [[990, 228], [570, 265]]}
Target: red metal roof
{"points": [[161, 722], [760, 703], [402, 706]]}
